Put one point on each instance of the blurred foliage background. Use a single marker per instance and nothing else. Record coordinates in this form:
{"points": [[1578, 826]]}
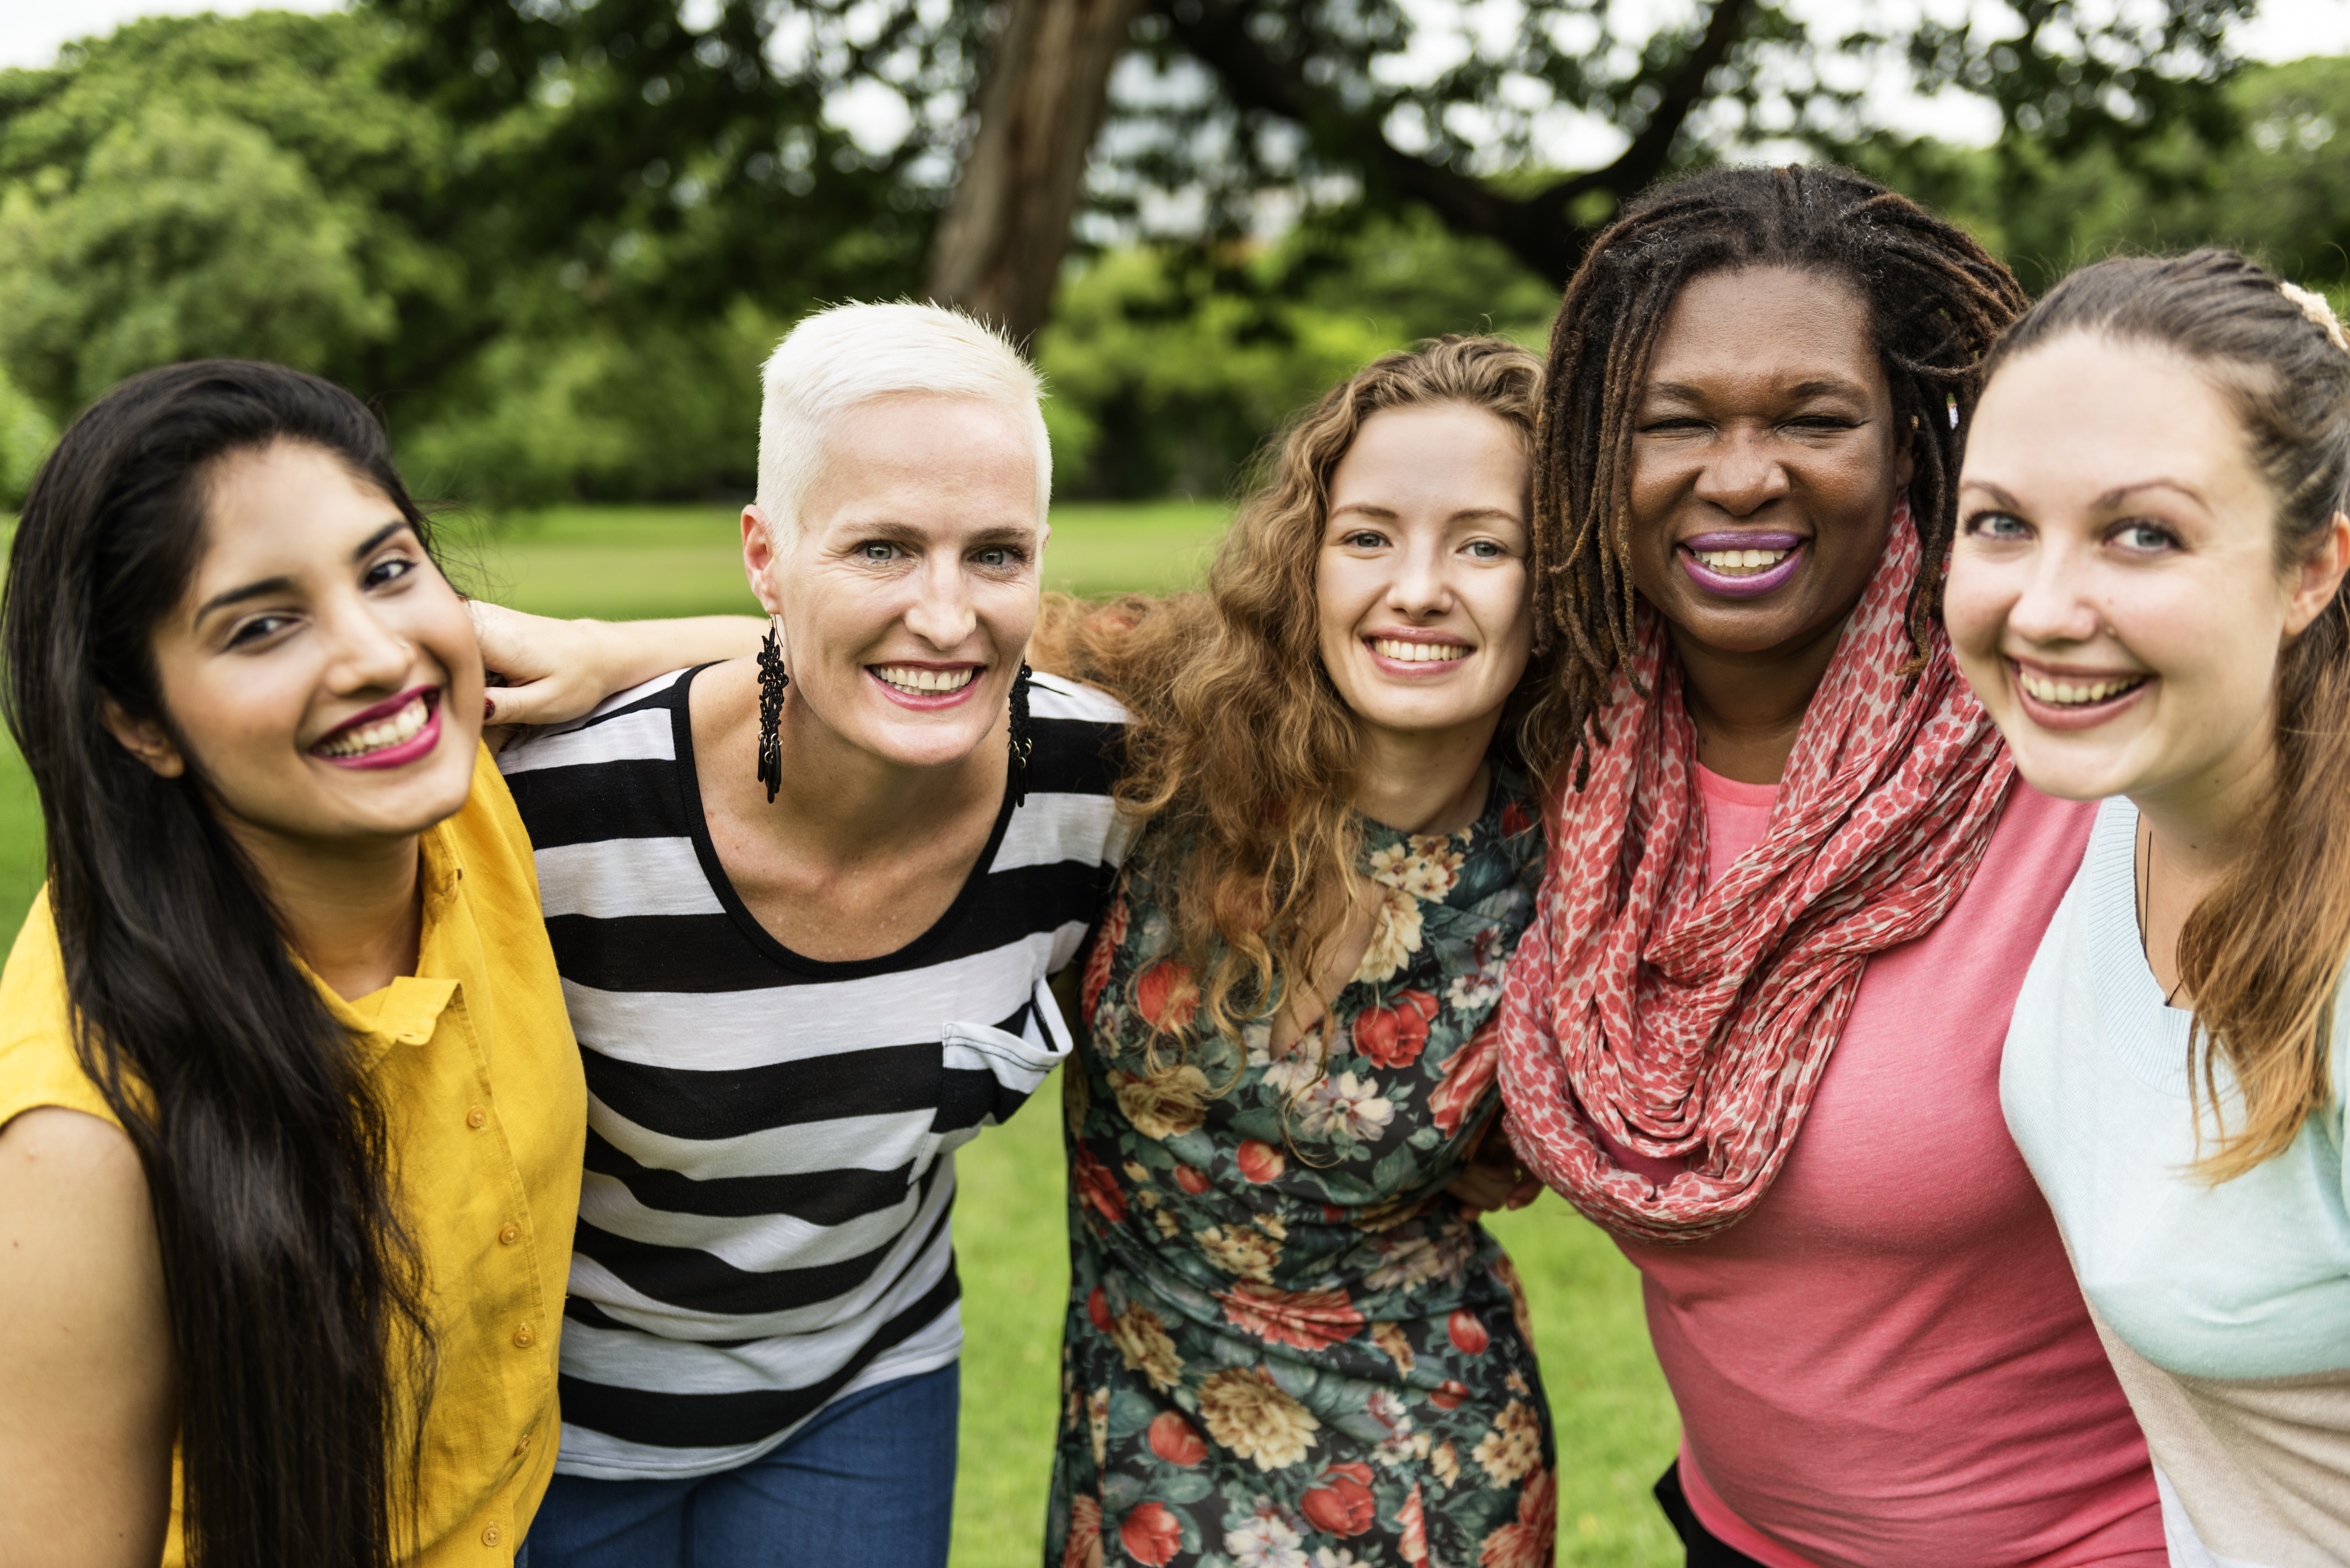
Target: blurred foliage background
{"points": [[557, 274]]}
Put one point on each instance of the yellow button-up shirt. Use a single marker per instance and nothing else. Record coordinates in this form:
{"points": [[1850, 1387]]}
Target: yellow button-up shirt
{"points": [[478, 1073]]}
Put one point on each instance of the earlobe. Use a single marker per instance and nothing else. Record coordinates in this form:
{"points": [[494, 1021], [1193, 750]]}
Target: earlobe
{"points": [[144, 739], [2321, 577]]}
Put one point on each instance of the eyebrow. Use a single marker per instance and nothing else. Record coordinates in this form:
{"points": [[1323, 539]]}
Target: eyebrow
{"points": [[1372, 508], [267, 586], [2106, 501], [1818, 386]]}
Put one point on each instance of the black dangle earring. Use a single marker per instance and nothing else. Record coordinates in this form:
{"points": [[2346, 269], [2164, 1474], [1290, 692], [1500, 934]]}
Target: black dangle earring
{"points": [[772, 679], [1022, 744]]}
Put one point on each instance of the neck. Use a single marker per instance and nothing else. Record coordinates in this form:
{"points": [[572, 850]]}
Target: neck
{"points": [[1425, 781], [840, 802], [353, 909], [2205, 824], [1749, 708]]}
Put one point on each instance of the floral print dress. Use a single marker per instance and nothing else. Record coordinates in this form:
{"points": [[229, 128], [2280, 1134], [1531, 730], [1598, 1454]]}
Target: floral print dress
{"points": [[1285, 1347]]}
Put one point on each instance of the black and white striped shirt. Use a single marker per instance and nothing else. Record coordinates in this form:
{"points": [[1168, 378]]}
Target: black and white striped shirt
{"points": [[763, 1223]]}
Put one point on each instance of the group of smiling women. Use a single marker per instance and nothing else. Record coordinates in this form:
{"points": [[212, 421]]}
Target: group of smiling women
{"points": [[1842, 773]]}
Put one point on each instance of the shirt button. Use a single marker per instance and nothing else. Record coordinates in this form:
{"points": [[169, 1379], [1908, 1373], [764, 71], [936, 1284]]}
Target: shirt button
{"points": [[524, 1338], [477, 1118], [490, 1535], [509, 1235], [521, 1443]]}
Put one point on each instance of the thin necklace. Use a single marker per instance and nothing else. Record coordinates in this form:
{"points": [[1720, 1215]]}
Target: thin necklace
{"points": [[2143, 875]]}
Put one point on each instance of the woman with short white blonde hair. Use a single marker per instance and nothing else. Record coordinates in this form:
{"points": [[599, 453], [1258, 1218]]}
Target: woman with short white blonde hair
{"points": [[805, 905]]}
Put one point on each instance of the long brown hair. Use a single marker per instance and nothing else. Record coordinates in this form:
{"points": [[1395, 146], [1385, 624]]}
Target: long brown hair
{"points": [[1242, 756], [2264, 952], [1936, 301]]}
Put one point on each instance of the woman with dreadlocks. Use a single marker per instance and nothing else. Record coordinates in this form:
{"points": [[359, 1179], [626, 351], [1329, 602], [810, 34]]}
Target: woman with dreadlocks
{"points": [[1793, 886]]}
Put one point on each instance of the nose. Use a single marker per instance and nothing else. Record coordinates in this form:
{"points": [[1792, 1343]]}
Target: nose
{"points": [[2054, 604], [1741, 476], [942, 613], [368, 655], [1422, 586]]}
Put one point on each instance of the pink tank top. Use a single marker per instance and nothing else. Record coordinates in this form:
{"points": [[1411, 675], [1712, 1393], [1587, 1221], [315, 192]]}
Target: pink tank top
{"points": [[1889, 1362]]}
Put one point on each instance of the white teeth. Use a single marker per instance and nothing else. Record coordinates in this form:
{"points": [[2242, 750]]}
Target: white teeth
{"points": [[404, 726], [916, 681], [2064, 693], [1742, 560], [1418, 652]]}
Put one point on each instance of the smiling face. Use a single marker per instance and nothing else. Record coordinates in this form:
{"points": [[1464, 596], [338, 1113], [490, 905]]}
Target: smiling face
{"points": [[910, 589], [2116, 597], [1421, 584], [1765, 461], [319, 670]]}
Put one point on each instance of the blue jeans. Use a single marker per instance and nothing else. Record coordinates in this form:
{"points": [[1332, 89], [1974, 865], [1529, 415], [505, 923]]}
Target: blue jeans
{"points": [[869, 1481]]}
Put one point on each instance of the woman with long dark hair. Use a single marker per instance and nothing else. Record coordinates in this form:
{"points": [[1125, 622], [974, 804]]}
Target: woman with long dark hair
{"points": [[290, 1117], [1754, 1028], [2147, 592]]}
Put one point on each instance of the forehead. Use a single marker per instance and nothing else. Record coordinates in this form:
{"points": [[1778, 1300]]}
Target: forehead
{"points": [[925, 462], [1766, 327], [2089, 413], [270, 511], [1446, 456]]}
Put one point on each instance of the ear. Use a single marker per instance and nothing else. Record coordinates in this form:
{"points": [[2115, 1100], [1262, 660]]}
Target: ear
{"points": [[2318, 576], [759, 557], [143, 738]]}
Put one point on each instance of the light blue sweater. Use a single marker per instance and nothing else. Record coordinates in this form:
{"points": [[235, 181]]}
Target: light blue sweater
{"points": [[2231, 1304]]}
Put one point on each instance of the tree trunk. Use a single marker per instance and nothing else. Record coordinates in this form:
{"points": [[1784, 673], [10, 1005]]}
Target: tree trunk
{"points": [[999, 248]]}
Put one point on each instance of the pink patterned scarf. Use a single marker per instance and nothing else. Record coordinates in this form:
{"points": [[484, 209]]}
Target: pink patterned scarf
{"points": [[1694, 1023]]}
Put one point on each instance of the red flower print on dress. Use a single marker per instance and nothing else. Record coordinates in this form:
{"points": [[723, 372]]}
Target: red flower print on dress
{"points": [[1174, 1440], [1527, 1541], [1150, 1534], [1449, 1394], [1466, 1078], [1342, 1504], [1097, 1309], [1469, 1337], [1395, 1036], [1100, 1186], [1097, 967], [1083, 1549], [1310, 1320], [1260, 1161], [1192, 1179], [1515, 819], [1167, 995], [1412, 1541]]}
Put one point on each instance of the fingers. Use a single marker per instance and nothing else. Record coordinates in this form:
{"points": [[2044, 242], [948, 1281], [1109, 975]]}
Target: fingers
{"points": [[546, 701]]}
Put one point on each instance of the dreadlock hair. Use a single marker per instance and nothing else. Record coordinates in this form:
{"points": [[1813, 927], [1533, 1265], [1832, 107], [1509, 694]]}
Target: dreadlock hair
{"points": [[1937, 300], [1241, 753]]}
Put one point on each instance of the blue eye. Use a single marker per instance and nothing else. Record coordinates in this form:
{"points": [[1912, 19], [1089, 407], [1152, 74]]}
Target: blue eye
{"points": [[1998, 525], [879, 551], [2145, 536], [1486, 550]]}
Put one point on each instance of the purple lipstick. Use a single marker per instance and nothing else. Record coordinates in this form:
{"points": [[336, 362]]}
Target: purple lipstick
{"points": [[1746, 584]]}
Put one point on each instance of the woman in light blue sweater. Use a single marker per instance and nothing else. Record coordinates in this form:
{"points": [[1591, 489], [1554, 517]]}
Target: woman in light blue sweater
{"points": [[2147, 592]]}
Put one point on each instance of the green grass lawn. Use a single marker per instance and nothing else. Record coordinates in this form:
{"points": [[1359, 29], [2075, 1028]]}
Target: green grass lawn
{"points": [[1616, 1423]]}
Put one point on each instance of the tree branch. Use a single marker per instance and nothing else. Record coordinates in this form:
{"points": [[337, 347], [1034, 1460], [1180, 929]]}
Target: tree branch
{"points": [[1537, 228]]}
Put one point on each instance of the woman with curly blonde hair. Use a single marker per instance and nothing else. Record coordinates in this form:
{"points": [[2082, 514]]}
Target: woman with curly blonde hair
{"points": [[1289, 1338]]}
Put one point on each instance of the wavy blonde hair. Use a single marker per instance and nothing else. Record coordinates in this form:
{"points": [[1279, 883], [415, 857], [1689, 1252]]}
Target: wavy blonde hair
{"points": [[1242, 756]]}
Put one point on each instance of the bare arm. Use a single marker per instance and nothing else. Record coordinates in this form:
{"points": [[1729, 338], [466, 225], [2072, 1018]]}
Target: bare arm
{"points": [[558, 669], [86, 1415]]}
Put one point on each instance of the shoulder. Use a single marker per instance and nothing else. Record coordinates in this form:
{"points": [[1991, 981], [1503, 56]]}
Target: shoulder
{"points": [[1057, 697], [38, 1066], [1078, 735], [635, 725]]}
